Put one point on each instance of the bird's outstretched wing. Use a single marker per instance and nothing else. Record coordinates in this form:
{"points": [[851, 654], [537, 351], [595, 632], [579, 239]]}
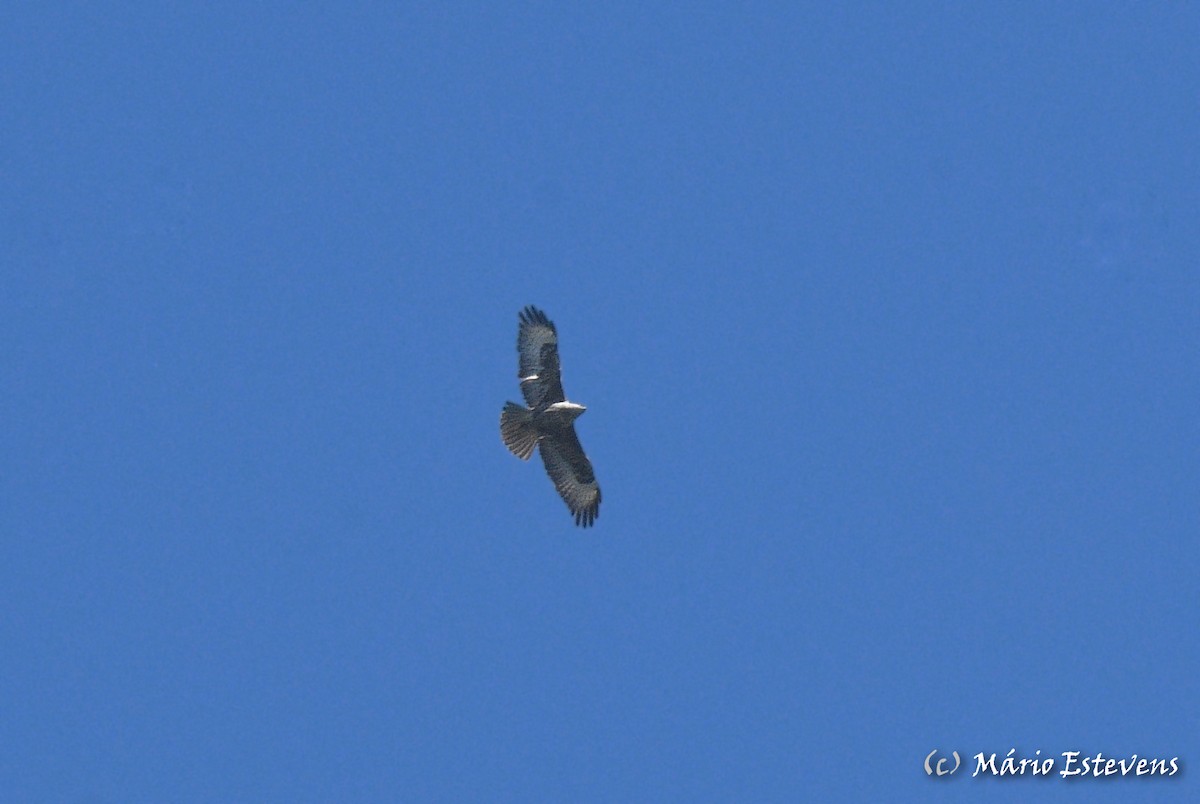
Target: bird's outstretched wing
{"points": [[572, 474], [537, 348]]}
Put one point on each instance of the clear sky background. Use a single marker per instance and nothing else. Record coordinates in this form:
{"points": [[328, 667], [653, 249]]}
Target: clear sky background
{"points": [[888, 324]]}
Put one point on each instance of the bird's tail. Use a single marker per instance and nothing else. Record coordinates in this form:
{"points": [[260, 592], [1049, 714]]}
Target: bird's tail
{"points": [[517, 430]]}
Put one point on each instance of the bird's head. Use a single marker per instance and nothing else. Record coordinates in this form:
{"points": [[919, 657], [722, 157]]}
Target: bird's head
{"points": [[572, 410]]}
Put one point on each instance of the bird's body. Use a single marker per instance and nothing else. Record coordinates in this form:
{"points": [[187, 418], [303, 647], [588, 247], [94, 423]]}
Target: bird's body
{"points": [[548, 423]]}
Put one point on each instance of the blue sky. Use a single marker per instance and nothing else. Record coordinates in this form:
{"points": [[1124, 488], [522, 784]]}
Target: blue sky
{"points": [[887, 323]]}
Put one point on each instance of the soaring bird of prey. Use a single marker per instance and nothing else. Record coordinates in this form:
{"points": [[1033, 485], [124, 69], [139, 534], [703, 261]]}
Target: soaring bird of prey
{"points": [[549, 420]]}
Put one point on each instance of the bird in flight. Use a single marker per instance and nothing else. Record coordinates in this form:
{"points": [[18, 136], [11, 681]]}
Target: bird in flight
{"points": [[549, 420]]}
